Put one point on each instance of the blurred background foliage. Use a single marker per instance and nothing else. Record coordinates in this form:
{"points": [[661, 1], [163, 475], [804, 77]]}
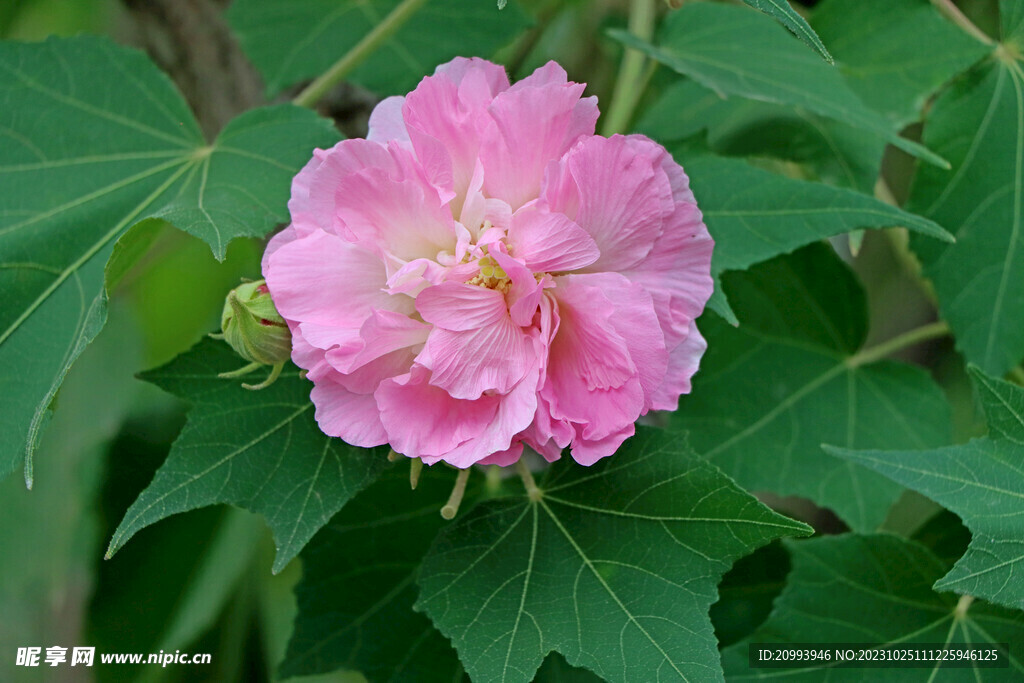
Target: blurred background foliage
{"points": [[201, 581]]}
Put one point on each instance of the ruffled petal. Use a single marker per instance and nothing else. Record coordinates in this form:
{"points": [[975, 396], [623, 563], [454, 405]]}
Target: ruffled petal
{"points": [[547, 241], [488, 360], [446, 115], [514, 414], [587, 452], [404, 219], [634, 319], [591, 379], [615, 189], [532, 124], [386, 122], [324, 279], [422, 420], [458, 307], [353, 417], [382, 333], [683, 363]]}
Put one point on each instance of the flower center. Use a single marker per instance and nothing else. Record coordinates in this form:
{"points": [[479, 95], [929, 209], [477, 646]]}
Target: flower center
{"points": [[491, 275]]}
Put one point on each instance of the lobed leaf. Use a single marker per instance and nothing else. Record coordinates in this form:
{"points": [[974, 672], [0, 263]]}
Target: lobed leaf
{"points": [[790, 378], [875, 589], [358, 586], [93, 139], [755, 214], [614, 566], [829, 151], [895, 53], [978, 123], [737, 51], [261, 451], [982, 481]]}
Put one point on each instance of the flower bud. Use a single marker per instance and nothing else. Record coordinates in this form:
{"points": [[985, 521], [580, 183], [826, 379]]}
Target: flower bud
{"points": [[253, 327]]}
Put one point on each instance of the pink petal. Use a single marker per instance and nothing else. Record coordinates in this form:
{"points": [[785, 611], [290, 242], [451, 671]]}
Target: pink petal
{"points": [[504, 458], [591, 379], [635, 320], [587, 452], [352, 417], [524, 295], [514, 414], [684, 361], [488, 360], [318, 204], [615, 189], [445, 116], [549, 242], [386, 122], [485, 79], [380, 334], [531, 127], [404, 219], [323, 279], [424, 420], [458, 307]]}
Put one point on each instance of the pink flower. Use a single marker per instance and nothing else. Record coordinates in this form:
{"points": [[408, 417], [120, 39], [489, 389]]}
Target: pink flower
{"points": [[484, 271]]}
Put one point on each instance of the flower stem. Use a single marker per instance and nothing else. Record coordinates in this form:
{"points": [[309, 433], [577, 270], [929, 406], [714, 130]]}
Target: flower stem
{"points": [[915, 336], [532, 491], [312, 93], [415, 468], [953, 13], [630, 83], [962, 605], [451, 508]]}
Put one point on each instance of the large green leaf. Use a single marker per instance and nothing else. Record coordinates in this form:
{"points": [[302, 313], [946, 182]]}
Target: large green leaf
{"points": [[797, 25], [978, 124], [894, 53], [261, 450], [614, 566], [875, 589], [791, 377], [358, 586], [828, 150], [755, 214], [982, 481], [293, 40], [93, 138], [738, 51]]}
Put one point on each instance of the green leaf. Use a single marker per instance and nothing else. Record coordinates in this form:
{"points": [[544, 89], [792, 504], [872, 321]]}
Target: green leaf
{"points": [[1011, 14], [875, 589], [894, 53], [755, 214], [783, 13], [831, 151], [574, 568], [978, 123], [293, 40], [982, 481], [240, 185], [93, 139], [791, 377], [738, 51], [747, 592], [258, 450], [358, 586]]}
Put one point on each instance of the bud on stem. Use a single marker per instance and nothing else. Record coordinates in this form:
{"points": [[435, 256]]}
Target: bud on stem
{"points": [[256, 331]]}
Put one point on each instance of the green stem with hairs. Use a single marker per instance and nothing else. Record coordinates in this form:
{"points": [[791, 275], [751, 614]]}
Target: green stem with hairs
{"points": [[630, 84], [312, 93]]}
